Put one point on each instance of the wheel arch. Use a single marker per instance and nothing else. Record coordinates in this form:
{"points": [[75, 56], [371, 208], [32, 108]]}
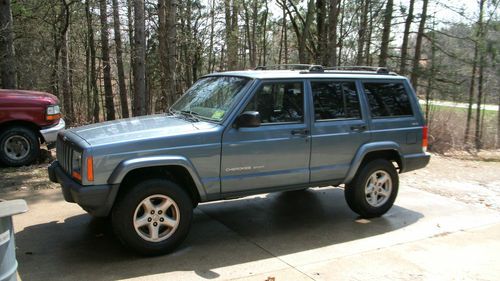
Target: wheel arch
{"points": [[379, 150], [22, 123], [176, 168]]}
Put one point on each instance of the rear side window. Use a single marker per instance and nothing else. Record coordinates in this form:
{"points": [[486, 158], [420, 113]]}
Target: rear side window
{"points": [[388, 99], [335, 100]]}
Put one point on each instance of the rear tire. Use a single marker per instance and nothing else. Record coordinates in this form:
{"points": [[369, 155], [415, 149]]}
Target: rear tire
{"points": [[153, 217], [373, 190], [19, 146]]}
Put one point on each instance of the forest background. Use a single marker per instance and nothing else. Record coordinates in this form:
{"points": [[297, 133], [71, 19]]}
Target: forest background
{"points": [[110, 59]]}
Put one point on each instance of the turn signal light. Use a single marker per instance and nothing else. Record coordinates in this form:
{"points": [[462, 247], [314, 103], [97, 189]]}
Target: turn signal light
{"points": [[53, 117]]}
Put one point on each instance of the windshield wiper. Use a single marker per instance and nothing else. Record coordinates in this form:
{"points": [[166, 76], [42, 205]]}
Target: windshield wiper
{"points": [[191, 114]]}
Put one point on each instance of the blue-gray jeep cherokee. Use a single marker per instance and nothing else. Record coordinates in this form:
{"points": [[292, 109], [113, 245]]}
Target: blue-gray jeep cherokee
{"points": [[241, 133]]}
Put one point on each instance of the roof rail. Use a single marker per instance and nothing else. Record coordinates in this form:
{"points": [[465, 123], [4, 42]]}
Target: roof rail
{"points": [[287, 67], [378, 70], [313, 68]]}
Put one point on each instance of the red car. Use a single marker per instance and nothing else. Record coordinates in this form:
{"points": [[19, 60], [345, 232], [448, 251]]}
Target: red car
{"points": [[27, 119]]}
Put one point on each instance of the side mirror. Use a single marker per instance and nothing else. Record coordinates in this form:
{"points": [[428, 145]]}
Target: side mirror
{"points": [[248, 119]]}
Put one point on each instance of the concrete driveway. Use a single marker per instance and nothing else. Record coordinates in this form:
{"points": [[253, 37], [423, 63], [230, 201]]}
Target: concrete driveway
{"points": [[309, 235]]}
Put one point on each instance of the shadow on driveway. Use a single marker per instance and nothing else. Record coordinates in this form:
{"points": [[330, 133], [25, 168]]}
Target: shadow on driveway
{"points": [[223, 234]]}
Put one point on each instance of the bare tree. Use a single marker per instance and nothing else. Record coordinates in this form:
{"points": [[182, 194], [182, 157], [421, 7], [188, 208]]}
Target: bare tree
{"points": [[139, 60], [167, 37], [65, 68], [479, 25], [7, 55], [92, 53], [406, 36], [363, 30], [119, 60], [321, 30], [106, 66], [418, 46], [333, 18], [231, 8], [386, 33]]}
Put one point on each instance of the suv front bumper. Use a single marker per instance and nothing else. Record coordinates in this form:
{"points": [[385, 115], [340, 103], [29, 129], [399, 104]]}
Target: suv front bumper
{"points": [[97, 200], [50, 134]]}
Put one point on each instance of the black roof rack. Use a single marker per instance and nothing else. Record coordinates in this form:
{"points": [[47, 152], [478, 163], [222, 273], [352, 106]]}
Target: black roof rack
{"points": [[312, 68], [378, 70]]}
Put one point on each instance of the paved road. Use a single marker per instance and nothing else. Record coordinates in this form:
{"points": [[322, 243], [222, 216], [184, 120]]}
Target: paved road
{"points": [[491, 107], [309, 235]]}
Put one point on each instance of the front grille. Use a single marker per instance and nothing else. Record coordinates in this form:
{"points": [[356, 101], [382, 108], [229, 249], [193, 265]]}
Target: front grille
{"points": [[64, 154]]}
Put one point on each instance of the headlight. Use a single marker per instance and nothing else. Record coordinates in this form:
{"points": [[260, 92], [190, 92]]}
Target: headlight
{"points": [[53, 112], [76, 165]]}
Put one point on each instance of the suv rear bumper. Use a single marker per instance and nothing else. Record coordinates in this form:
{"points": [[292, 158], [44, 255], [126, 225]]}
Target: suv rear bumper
{"points": [[50, 134], [415, 161], [97, 200]]}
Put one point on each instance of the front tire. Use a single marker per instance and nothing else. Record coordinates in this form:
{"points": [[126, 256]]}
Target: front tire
{"points": [[373, 190], [19, 146], [153, 218]]}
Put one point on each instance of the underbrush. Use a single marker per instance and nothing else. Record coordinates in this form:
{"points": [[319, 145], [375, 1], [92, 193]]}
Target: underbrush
{"points": [[447, 130]]}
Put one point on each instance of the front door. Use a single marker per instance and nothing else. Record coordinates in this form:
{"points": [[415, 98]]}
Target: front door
{"points": [[276, 153]]}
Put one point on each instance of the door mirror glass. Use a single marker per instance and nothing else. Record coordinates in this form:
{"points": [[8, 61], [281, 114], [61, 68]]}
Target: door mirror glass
{"points": [[248, 119]]}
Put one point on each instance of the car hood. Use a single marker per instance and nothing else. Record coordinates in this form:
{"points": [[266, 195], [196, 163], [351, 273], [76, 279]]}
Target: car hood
{"points": [[24, 97], [139, 128]]}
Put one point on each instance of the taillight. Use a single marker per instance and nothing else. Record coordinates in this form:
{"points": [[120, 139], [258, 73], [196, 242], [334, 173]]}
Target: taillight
{"points": [[90, 168], [425, 137]]}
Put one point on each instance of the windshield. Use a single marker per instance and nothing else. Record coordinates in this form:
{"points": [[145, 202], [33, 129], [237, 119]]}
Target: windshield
{"points": [[210, 97]]}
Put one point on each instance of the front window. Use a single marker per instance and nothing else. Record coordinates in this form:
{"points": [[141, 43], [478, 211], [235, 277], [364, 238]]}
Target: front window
{"points": [[211, 97], [281, 102]]}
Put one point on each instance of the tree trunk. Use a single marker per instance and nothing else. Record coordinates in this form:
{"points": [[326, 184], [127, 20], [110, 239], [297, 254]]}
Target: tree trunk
{"points": [[320, 27], [211, 63], [119, 60], [139, 59], [471, 93], [93, 76], [386, 33], [106, 66], [482, 62], [65, 68], [231, 11], [363, 28], [264, 35], [8, 76], [162, 52], [65, 79], [333, 17], [171, 51], [368, 36], [477, 47], [418, 46], [302, 35], [406, 36], [130, 23]]}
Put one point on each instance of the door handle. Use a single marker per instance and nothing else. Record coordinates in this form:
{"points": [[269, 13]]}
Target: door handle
{"points": [[300, 132], [358, 128]]}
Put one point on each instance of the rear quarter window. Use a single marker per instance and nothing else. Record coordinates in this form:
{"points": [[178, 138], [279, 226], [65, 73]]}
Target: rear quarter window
{"points": [[387, 99]]}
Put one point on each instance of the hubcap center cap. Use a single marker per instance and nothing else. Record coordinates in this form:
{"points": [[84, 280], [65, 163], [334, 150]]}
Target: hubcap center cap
{"points": [[156, 218]]}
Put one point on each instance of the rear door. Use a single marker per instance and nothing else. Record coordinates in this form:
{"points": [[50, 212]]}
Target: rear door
{"points": [[276, 153], [339, 127], [394, 113]]}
